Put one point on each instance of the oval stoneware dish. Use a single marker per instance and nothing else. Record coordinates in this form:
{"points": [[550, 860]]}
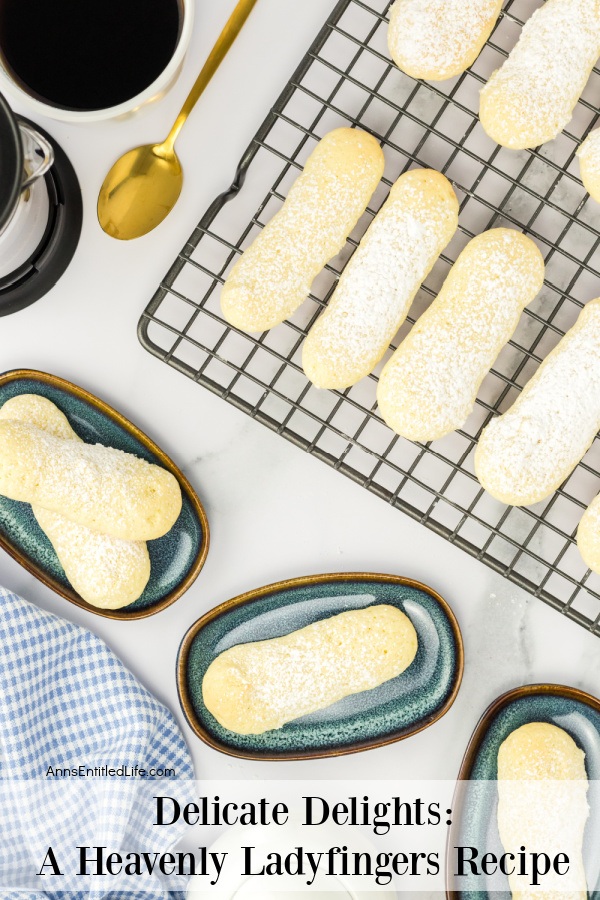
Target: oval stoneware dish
{"points": [[476, 800], [176, 559], [403, 706]]}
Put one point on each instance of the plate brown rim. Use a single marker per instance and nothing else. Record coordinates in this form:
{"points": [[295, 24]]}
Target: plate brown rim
{"points": [[67, 592], [256, 594], [481, 729]]}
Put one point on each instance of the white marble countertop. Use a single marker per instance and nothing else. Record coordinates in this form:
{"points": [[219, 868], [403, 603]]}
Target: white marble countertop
{"points": [[274, 511]]}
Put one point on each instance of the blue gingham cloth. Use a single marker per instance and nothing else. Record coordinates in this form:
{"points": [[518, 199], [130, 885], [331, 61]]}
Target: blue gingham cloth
{"points": [[66, 701]]}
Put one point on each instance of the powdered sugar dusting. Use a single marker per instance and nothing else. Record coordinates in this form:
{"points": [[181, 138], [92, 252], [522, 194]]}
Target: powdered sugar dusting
{"points": [[589, 156], [253, 688], [531, 98], [104, 489], [38, 411], [588, 535], [590, 149], [375, 292], [275, 274], [438, 39], [543, 786], [526, 454], [107, 572], [429, 387]]}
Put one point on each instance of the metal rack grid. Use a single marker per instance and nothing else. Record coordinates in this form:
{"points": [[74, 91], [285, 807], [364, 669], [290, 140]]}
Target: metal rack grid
{"points": [[347, 78]]}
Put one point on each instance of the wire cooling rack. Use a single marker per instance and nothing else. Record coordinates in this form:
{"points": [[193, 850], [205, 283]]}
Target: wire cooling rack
{"points": [[347, 78]]}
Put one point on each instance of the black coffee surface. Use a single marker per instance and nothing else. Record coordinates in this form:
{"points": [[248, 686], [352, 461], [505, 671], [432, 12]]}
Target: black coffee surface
{"points": [[88, 54]]}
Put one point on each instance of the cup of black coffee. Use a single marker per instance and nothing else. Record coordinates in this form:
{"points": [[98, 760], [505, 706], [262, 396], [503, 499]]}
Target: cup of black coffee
{"points": [[88, 60]]}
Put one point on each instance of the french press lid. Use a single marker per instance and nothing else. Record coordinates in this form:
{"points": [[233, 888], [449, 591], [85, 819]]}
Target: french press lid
{"points": [[11, 162]]}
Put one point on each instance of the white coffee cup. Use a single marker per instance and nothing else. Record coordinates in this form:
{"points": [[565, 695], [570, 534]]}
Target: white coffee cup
{"points": [[154, 91]]}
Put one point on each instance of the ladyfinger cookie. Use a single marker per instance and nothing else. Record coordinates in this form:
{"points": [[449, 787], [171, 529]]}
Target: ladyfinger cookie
{"points": [[527, 453], [429, 386], [531, 98], [542, 788], [588, 535], [274, 275], [589, 162], [105, 490], [379, 283], [39, 411], [253, 688], [438, 39], [106, 572]]}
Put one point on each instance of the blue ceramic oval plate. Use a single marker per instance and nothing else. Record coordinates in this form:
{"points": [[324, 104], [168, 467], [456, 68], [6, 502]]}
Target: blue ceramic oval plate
{"points": [[397, 709], [476, 801], [176, 559]]}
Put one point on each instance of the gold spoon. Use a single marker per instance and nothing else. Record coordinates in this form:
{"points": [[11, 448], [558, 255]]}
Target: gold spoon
{"points": [[144, 185]]}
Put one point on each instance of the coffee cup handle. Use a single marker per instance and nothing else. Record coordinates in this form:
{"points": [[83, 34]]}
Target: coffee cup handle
{"points": [[46, 154]]}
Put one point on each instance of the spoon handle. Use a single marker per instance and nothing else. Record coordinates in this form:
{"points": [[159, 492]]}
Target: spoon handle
{"points": [[230, 32]]}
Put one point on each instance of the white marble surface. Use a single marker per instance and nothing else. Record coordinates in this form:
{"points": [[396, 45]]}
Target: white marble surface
{"points": [[274, 511]]}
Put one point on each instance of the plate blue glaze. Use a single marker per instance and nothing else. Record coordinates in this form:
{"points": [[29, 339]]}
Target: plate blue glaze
{"points": [[403, 706], [476, 811], [176, 558]]}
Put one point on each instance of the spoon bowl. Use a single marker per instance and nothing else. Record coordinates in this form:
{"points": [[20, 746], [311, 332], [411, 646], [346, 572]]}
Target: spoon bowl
{"points": [[140, 191], [144, 185]]}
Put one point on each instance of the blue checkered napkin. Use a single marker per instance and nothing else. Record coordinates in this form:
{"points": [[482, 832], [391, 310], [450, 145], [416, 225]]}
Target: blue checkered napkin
{"points": [[66, 701]]}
